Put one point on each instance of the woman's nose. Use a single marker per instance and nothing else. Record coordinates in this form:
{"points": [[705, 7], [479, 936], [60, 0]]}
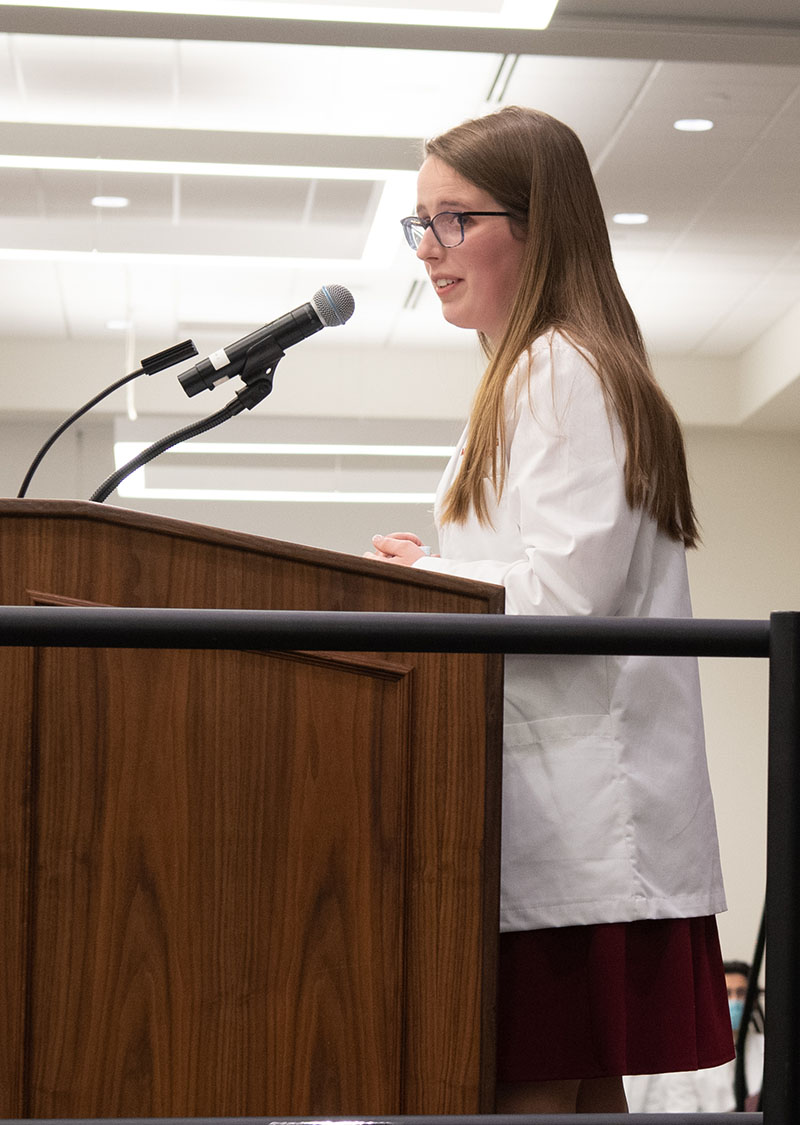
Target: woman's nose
{"points": [[429, 246]]}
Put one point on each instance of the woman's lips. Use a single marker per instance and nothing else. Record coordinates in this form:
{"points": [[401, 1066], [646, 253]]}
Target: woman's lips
{"points": [[444, 284]]}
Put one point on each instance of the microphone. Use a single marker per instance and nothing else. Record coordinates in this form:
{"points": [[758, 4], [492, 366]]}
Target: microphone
{"points": [[330, 305]]}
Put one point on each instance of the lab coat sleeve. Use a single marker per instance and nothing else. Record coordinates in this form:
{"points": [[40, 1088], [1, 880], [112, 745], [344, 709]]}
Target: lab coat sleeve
{"points": [[564, 533]]}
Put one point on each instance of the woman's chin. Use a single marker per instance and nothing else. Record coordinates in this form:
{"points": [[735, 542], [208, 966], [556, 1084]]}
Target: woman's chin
{"points": [[458, 318]]}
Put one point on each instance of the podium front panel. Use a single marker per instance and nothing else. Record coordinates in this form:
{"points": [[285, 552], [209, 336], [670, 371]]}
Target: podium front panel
{"points": [[242, 883]]}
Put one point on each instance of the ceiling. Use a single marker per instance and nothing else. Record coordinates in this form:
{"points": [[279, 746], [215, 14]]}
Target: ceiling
{"points": [[265, 157]]}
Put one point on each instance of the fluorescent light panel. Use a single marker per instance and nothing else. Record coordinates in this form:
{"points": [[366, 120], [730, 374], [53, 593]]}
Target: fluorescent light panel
{"points": [[135, 486], [380, 244], [298, 449], [198, 168], [352, 265], [520, 14]]}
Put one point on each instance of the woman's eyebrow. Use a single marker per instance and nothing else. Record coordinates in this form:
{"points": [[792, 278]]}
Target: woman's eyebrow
{"points": [[446, 205]]}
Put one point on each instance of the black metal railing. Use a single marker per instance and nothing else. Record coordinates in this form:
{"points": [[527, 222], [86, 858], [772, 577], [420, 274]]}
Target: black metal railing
{"points": [[777, 640]]}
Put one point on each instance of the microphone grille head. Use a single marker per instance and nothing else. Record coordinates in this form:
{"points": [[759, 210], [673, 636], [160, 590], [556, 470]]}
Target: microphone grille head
{"points": [[333, 304]]}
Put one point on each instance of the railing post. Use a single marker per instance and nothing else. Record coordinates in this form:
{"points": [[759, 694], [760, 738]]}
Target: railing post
{"points": [[782, 1047]]}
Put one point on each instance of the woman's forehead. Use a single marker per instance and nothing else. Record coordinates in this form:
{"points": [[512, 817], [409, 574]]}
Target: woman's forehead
{"points": [[441, 187]]}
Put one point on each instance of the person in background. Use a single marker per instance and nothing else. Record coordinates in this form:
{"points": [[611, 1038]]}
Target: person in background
{"points": [[751, 1038], [569, 488], [712, 1090]]}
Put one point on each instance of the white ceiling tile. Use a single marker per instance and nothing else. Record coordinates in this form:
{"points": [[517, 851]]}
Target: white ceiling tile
{"points": [[31, 299], [9, 85], [93, 292], [20, 193], [69, 194], [357, 91], [71, 78], [591, 95]]}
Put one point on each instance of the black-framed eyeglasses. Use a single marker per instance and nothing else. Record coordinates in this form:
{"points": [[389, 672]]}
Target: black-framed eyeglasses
{"points": [[447, 227]]}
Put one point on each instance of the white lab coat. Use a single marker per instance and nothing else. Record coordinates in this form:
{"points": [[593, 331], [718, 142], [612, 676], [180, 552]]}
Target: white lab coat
{"points": [[607, 808], [697, 1091]]}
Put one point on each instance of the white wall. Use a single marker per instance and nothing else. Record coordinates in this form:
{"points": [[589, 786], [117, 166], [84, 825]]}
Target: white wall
{"points": [[746, 490], [748, 499]]}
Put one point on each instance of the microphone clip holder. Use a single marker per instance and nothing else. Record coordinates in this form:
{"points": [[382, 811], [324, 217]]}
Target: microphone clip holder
{"points": [[257, 374], [260, 361], [251, 394]]}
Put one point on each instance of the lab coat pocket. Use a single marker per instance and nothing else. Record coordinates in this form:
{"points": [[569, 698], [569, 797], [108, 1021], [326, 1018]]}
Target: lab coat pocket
{"points": [[566, 824]]}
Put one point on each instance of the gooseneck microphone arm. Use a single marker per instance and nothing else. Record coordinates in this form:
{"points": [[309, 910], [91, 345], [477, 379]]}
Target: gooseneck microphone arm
{"points": [[249, 396], [158, 362]]}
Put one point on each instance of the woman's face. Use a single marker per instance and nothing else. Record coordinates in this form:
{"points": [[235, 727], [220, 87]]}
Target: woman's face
{"points": [[475, 281]]}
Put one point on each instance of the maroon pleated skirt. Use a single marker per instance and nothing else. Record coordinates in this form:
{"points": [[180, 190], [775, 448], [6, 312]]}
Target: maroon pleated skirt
{"points": [[613, 999]]}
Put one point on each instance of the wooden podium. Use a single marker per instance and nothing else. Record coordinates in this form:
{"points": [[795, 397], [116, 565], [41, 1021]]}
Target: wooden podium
{"points": [[241, 883]]}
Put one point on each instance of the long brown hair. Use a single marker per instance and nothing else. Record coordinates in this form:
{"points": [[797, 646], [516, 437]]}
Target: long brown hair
{"points": [[537, 169]]}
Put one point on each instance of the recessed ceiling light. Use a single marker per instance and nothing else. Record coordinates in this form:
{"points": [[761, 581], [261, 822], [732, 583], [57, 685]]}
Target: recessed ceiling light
{"points": [[693, 125], [118, 325], [631, 218], [110, 201]]}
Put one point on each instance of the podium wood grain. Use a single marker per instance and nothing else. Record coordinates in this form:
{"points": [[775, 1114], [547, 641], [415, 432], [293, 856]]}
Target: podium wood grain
{"points": [[241, 883]]}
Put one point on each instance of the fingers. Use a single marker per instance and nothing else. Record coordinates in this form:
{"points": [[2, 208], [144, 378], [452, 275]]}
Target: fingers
{"points": [[402, 549], [409, 535]]}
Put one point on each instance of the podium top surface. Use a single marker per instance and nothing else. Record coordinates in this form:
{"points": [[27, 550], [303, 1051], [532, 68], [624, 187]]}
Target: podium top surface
{"points": [[110, 517]]}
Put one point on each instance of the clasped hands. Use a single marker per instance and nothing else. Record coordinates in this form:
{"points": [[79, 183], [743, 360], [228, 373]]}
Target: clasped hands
{"points": [[401, 547]]}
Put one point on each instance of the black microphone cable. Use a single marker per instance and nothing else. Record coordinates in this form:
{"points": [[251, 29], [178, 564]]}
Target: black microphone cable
{"points": [[158, 362]]}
